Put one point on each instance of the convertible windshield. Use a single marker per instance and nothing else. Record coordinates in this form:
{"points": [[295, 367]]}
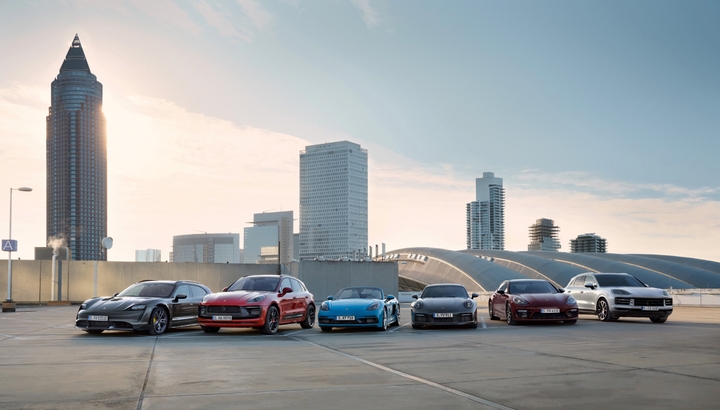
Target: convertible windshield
{"points": [[619, 280], [263, 284], [516, 288], [444, 292], [149, 289], [359, 293]]}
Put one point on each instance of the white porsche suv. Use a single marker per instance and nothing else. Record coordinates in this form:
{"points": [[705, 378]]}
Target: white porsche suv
{"points": [[614, 295]]}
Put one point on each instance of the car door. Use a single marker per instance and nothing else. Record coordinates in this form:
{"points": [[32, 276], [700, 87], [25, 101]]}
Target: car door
{"points": [[499, 301], [198, 294], [576, 288], [182, 311], [286, 301], [590, 293], [300, 297]]}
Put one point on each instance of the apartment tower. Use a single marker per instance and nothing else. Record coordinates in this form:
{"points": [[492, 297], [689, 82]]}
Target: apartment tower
{"points": [[485, 217]]}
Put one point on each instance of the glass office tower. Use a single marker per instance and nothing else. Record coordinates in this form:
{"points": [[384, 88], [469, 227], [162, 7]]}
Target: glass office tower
{"points": [[77, 158]]}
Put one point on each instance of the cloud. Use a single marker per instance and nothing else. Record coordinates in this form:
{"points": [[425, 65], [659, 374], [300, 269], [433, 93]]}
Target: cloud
{"points": [[166, 12], [257, 16], [223, 22], [370, 15]]}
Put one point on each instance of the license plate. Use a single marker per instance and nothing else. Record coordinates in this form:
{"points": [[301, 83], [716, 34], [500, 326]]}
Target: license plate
{"points": [[550, 310], [649, 308], [346, 318], [222, 317], [98, 318], [443, 315]]}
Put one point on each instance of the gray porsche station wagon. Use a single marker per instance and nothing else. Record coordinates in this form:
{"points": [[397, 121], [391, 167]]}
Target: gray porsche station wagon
{"points": [[614, 295], [153, 306]]}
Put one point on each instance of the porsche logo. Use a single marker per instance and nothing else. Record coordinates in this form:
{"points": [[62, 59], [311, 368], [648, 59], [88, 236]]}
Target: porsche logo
{"points": [[223, 308]]}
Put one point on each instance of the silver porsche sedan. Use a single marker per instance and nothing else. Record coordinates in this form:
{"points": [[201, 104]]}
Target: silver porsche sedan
{"points": [[153, 306], [614, 295], [444, 304]]}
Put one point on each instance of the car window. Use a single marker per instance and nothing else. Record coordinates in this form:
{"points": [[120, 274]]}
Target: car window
{"points": [[590, 280], [285, 284], [619, 280], [261, 283], [441, 291], [296, 287], [198, 293], [149, 289], [503, 286], [532, 287], [182, 290], [578, 282]]}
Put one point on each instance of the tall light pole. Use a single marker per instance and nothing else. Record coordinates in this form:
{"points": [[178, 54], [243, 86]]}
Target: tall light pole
{"points": [[9, 305]]}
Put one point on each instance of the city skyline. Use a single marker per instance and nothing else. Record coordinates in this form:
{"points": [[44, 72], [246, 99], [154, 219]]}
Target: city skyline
{"points": [[601, 115]]}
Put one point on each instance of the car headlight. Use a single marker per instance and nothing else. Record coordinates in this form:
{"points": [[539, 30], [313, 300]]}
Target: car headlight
{"points": [[620, 292], [666, 293], [257, 299], [468, 304], [418, 304], [206, 297], [83, 306], [519, 301], [373, 306], [202, 310], [141, 306], [571, 300], [325, 307]]}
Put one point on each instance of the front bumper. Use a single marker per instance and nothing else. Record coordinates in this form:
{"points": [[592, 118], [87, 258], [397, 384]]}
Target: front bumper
{"points": [[535, 314], [366, 320], [457, 319], [241, 316], [126, 320], [641, 307]]}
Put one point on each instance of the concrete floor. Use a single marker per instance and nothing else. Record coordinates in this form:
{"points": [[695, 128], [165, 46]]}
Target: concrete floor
{"points": [[47, 364]]}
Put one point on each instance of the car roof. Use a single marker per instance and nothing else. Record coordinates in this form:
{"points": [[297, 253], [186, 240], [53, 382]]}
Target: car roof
{"points": [[170, 281], [527, 280]]}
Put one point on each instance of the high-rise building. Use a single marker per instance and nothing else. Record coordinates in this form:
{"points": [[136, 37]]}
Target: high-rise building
{"points": [[76, 150], [485, 217], [333, 200], [588, 243], [206, 248], [544, 236], [147, 255], [270, 230]]}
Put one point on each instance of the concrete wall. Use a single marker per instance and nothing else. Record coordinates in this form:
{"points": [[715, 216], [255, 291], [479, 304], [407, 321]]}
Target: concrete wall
{"points": [[32, 278]]}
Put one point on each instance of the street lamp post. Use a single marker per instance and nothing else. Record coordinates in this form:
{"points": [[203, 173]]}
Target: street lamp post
{"points": [[9, 304]]}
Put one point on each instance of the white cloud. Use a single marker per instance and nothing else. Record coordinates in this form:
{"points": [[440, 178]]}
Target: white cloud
{"points": [[166, 12], [223, 22], [370, 15], [255, 13]]}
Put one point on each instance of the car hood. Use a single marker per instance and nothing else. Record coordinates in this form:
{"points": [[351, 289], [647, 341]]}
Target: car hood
{"points": [[117, 303], [240, 296], [351, 303], [637, 292], [545, 299], [444, 303]]}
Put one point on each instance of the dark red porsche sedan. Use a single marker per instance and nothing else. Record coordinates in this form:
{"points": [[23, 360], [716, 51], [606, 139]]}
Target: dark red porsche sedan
{"points": [[532, 300], [263, 302]]}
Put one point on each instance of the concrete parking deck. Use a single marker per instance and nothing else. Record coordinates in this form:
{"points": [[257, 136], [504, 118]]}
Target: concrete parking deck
{"points": [[45, 363]]}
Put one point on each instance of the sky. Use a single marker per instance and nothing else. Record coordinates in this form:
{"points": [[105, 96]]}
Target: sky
{"points": [[602, 116]]}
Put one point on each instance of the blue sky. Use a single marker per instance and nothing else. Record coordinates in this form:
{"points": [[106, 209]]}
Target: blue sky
{"points": [[599, 115]]}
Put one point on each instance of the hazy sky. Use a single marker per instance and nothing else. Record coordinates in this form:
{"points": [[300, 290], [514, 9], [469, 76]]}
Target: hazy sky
{"points": [[604, 116]]}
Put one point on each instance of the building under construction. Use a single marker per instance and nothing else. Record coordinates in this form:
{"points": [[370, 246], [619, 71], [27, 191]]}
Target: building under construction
{"points": [[544, 236], [588, 242]]}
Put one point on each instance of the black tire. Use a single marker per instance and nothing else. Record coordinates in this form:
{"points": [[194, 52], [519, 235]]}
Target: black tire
{"points": [[603, 311], [272, 321], [570, 322], [309, 320], [210, 329], [397, 317], [159, 321], [473, 325], [491, 313], [414, 326], [652, 319], [509, 317], [326, 328], [384, 324], [94, 331]]}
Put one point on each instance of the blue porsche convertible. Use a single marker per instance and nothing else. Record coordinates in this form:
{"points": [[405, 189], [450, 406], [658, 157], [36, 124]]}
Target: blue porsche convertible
{"points": [[359, 306]]}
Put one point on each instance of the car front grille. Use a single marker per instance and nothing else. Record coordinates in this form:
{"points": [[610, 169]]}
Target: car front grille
{"points": [[237, 312], [644, 301], [358, 321], [103, 325], [461, 317]]}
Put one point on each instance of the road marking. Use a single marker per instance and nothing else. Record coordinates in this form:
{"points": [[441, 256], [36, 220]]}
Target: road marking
{"points": [[450, 390], [12, 337], [399, 326], [482, 319], [295, 332], [147, 376]]}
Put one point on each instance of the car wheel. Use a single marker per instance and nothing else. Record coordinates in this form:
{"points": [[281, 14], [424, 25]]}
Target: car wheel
{"points": [[210, 329], [272, 321], [491, 313], [652, 319], [158, 321], [414, 326], [603, 311], [570, 322], [508, 316], [326, 328], [94, 331], [309, 320], [384, 325], [397, 317], [473, 325]]}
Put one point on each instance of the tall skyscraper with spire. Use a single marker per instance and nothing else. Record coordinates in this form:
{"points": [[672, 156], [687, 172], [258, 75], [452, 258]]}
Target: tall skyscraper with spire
{"points": [[77, 158]]}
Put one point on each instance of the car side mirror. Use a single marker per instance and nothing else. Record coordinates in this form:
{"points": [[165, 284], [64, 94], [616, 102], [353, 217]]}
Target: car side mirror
{"points": [[285, 291], [116, 294], [330, 298], [501, 292], [390, 297], [225, 288], [414, 296], [590, 286], [561, 290], [474, 295], [180, 296]]}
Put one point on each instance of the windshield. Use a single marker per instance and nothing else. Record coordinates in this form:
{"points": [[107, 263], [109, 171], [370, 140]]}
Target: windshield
{"points": [[442, 291], [359, 293], [516, 288], [619, 280], [263, 284], [149, 289]]}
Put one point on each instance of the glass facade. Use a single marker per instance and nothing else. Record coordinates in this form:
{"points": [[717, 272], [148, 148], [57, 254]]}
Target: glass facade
{"points": [[206, 248], [260, 239], [333, 200], [76, 149]]}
